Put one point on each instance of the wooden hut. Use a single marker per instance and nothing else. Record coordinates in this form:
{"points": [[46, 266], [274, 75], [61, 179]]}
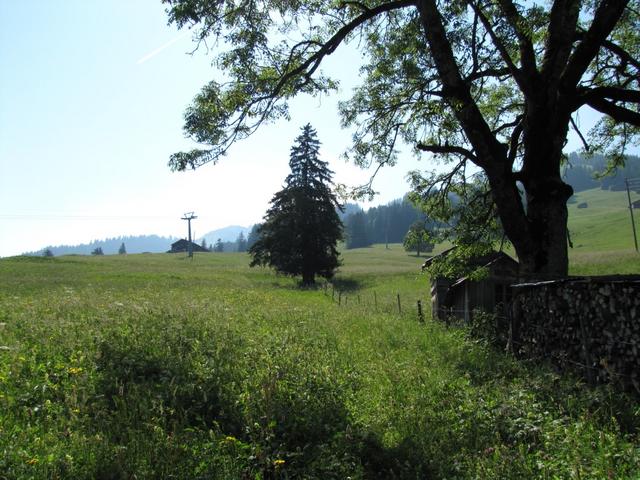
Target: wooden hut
{"points": [[183, 246], [459, 297]]}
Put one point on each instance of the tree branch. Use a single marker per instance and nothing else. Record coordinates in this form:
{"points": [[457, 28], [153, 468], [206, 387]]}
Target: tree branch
{"points": [[309, 66], [605, 19], [489, 72], [613, 93], [618, 113], [577, 130], [621, 53], [563, 20], [515, 140], [448, 149], [487, 149], [497, 42], [527, 52]]}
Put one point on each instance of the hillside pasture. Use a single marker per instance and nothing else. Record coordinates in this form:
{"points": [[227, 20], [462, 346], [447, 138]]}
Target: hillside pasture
{"points": [[156, 366], [605, 224]]}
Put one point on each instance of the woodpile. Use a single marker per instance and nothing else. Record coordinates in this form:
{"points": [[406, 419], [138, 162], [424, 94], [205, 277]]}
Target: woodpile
{"points": [[587, 324]]}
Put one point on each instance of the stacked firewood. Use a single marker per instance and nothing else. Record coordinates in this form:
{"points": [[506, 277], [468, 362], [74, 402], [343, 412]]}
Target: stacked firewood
{"points": [[590, 324]]}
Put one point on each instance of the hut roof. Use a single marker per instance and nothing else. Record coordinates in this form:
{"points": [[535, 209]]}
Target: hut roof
{"points": [[487, 261]]}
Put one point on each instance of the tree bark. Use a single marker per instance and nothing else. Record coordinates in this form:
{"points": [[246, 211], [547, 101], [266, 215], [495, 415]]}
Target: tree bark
{"points": [[537, 229]]}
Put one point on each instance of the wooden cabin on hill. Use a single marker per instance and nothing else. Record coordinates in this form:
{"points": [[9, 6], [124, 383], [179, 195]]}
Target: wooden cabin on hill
{"points": [[182, 246], [459, 297]]}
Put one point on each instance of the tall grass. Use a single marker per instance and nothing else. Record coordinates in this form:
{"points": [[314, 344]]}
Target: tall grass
{"points": [[154, 366]]}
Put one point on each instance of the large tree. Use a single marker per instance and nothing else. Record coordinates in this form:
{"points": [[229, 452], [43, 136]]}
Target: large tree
{"points": [[494, 84], [418, 238], [302, 227]]}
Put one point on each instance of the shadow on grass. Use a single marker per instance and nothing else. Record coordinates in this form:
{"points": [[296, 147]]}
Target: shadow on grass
{"points": [[347, 284], [291, 414]]}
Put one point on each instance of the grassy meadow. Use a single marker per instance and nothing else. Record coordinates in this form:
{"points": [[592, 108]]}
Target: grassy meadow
{"points": [[156, 366], [605, 223]]}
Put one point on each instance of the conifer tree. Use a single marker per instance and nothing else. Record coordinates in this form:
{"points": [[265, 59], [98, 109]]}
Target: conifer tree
{"points": [[241, 243], [357, 235], [302, 227], [122, 250]]}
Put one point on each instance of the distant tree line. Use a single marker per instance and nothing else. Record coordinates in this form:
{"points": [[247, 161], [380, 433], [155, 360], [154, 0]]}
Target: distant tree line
{"points": [[583, 173], [383, 224], [110, 246], [239, 245]]}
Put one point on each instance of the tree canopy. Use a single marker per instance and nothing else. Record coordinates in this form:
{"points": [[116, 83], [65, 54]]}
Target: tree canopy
{"points": [[482, 86], [301, 229], [418, 238]]}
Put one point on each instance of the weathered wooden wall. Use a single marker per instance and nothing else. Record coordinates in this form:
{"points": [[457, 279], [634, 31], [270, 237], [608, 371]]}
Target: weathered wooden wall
{"points": [[589, 324]]}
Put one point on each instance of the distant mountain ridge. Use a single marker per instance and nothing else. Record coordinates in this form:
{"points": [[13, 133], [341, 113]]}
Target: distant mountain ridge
{"points": [[142, 243], [133, 244]]}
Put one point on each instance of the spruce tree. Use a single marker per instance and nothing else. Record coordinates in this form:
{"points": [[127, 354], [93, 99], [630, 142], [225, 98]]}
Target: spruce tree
{"points": [[241, 243], [302, 227]]}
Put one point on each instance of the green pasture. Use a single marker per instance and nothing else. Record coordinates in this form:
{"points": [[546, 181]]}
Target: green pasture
{"points": [[157, 366], [605, 223]]}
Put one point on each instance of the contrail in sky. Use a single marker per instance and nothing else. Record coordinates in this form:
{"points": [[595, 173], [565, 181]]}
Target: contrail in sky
{"points": [[160, 49]]}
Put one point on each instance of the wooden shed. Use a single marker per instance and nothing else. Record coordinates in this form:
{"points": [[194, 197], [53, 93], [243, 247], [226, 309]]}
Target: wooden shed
{"points": [[183, 246], [459, 297]]}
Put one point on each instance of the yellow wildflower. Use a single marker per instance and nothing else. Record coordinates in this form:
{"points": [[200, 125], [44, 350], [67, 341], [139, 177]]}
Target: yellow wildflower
{"points": [[75, 370], [32, 461], [279, 462], [230, 439]]}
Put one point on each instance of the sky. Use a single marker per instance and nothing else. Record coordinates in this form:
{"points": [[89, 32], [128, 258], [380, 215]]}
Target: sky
{"points": [[92, 96]]}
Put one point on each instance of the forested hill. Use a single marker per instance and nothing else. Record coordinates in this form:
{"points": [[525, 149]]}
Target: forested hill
{"points": [[580, 172], [383, 224]]}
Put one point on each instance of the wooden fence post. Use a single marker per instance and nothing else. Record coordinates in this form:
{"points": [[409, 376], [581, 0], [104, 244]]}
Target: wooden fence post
{"points": [[399, 308], [420, 315]]}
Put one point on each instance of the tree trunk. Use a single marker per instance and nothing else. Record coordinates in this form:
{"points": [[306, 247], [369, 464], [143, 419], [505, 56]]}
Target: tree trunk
{"points": [[548, 228], [308, 279], [538, 231]]}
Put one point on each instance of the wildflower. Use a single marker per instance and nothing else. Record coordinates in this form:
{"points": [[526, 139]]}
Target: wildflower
{"points": [[230, 439], [279, 462], [75, 370], [32, 461]]}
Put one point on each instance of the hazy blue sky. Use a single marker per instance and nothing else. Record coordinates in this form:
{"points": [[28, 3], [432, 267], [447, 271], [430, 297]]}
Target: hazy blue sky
{"points": [[92, 94]]}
